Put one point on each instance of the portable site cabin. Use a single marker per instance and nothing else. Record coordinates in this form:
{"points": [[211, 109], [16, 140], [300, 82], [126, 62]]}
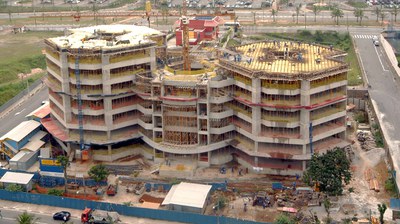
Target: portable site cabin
{"points": [[23, 179], [188, 197]]}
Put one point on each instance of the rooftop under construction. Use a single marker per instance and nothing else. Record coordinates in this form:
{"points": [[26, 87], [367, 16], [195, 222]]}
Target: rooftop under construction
{"points": [[268, 105]]}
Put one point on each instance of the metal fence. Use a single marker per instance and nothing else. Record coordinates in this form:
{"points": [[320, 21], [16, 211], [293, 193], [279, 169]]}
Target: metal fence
{"points": [[121, 209], [20, 95]]}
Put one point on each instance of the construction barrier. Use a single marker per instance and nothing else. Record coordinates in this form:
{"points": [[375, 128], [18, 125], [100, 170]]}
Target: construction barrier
{"points": [[80, 204]]}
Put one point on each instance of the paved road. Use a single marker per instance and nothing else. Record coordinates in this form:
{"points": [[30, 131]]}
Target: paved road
{"points": [[10, 216], [384, 92], [17, 115]]}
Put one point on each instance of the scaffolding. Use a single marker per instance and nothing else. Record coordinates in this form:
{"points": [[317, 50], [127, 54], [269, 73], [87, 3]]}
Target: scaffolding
{"points": [[328, 110], [280, 132], [328, 95], [280, 100], [180, 125], [328, 80], [280, 116], [280, 84]]}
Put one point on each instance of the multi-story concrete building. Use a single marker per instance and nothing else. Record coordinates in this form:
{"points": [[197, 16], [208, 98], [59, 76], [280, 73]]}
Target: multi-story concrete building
{"points": [[261, 103], [108, 59]]}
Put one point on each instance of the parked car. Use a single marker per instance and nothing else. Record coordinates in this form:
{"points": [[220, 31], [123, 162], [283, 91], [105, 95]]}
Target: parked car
{"points": [[61, 215]]}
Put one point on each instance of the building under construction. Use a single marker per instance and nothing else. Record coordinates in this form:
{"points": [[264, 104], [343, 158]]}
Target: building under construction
{"points": [[268, 105]]}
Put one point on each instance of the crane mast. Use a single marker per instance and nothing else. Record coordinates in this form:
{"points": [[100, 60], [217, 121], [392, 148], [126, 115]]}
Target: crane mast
{"points": [[79, 98], [185, 26]]}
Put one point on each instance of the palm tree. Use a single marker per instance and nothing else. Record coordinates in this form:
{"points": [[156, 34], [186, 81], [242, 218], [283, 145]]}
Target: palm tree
{"points": [[359, 14], [336, 14], [382, 209], [274, 12], [383, 16], [297, 13], [63, 160], [395, 11], [26, 218], [377, 11], [316, 9]]}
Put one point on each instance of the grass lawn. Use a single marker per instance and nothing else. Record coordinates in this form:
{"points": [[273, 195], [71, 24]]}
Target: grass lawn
{"points": [[24, 52]]}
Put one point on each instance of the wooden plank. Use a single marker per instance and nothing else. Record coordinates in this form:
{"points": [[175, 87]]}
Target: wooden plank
{"points": [[376, 185], [371, 185]]}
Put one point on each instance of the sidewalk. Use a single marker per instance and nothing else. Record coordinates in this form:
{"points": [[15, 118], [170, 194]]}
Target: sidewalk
{"points": [[44, 209]]}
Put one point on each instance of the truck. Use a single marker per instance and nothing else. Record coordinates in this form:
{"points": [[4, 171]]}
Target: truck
{"points": [[112, 190], [96, 216]]}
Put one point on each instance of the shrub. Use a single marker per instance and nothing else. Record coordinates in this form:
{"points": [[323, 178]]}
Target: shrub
{"points": [[14, 188], [55, 192]]}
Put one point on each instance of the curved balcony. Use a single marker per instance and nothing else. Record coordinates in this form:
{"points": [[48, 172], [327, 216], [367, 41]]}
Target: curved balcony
{"points": [[178, 149]]}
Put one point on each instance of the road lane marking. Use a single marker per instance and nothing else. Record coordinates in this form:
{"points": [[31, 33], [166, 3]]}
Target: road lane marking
{"points": [[383, 67], [19, 112]]}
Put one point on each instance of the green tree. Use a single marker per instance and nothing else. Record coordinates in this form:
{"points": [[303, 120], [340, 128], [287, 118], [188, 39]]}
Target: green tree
{"points": [[330, 170], [274, 13], [359, 14], [284, 219], [327, 205], [316, 9], [336, 14], [14, 188], [64, 162], [98, 172], [26, 218], [382, 209], [377, 11]]}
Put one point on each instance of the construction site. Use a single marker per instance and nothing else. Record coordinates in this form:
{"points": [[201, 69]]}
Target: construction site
{"points": [[114, 92]]}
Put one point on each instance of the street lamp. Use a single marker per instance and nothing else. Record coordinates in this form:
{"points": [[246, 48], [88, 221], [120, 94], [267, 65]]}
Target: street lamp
{"points": [[27, 82]]}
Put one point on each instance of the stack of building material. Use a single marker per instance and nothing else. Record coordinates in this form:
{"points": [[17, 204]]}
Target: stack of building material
{"points": [[371, 178]]}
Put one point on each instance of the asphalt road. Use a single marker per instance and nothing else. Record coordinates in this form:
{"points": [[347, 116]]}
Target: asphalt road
{"points": [[17, 115], [10, 217], [384, 92]]}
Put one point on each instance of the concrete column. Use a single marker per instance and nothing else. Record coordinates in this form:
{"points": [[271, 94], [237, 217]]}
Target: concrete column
{"points": [[304, 113], [209, 158], [109, 150], [256, 110], [208, 115], [65, 87], [256, 161], [153, 63], [105, 59]]}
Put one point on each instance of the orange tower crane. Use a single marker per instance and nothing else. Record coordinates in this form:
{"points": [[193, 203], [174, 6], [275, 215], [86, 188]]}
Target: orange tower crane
{"points": [[185, 25]]}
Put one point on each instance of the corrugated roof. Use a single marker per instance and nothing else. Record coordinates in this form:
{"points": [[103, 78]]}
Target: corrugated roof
{"points": [[41, 112], [16, 178], [54, 129], [187, 194], [18, 156], [21, 131]]}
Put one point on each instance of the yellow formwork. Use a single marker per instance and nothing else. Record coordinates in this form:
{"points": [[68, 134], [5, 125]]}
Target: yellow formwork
{"points": [[314, 57], [328, 80], [128, 56], [327, 96]]}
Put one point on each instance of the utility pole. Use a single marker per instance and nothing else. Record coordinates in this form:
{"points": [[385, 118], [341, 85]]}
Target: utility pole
{"points": [[305, 20]]}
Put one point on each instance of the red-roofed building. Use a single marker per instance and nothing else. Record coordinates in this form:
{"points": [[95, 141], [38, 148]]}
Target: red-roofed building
{"points": [[200, 28]]}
